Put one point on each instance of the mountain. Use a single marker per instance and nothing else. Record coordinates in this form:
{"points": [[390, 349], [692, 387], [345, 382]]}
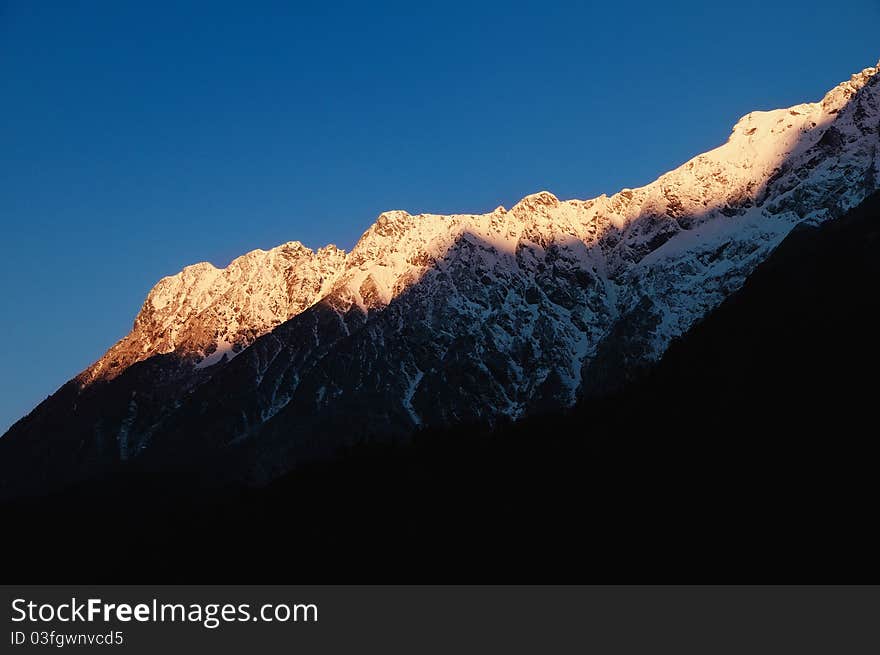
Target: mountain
{"points": [[749, 451], [204, 313], [431, 321]]}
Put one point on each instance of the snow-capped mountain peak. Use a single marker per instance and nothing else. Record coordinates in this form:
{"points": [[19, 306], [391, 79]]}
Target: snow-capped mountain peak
{"points": [[204, 309], [432, 319], [777, 168]]}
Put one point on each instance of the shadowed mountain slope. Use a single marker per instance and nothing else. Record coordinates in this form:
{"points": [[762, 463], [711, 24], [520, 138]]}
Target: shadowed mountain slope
{"points": [[748, 452]]}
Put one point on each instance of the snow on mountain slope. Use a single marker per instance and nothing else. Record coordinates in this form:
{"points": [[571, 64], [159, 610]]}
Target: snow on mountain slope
{"points": [[431, 319], [648, 261], [204, 312], [434, 319], [808, 162]]}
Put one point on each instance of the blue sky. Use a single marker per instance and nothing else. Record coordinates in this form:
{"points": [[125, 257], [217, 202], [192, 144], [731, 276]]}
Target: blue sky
{"points": [[137, 138]]}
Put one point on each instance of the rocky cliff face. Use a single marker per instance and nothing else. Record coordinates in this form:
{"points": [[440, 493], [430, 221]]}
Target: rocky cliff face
{"points": [[204, 313], [432, 320]]}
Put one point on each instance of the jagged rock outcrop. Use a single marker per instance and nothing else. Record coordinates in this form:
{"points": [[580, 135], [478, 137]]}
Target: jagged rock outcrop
{"points": [[432, 320], [204, 313]]}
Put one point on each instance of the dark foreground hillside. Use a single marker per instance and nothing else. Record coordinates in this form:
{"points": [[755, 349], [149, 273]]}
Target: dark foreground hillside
{"points": [[749, 453]]}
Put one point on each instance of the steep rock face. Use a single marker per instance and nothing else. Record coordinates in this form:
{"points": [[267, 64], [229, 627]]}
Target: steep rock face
{"points": [[432, 320], [204, 313]]}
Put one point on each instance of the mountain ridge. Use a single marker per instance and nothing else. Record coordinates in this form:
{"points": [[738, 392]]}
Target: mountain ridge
{"points": [[618, 207], [431, 320]]}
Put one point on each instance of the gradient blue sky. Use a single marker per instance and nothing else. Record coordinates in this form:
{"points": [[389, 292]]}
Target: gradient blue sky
{"points": [[136, 138]]}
